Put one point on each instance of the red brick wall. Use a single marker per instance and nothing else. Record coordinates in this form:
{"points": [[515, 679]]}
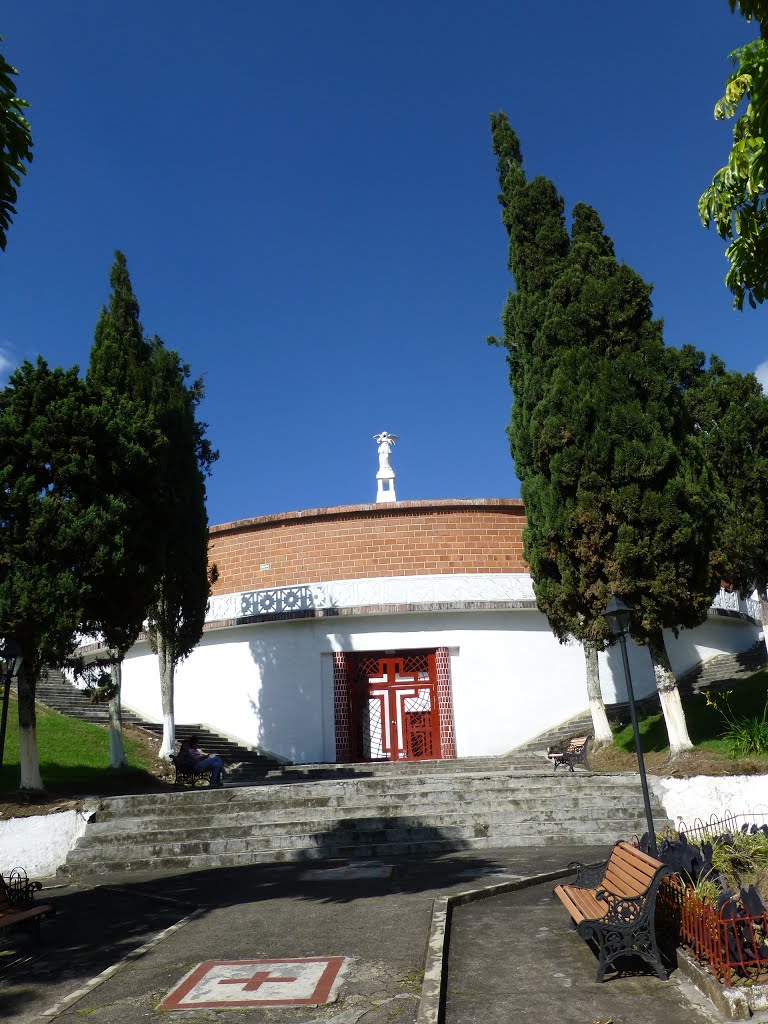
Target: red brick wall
{"points": [[405, 538]]}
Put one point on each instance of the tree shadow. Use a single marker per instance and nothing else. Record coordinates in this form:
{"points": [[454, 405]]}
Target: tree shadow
{"points": [[96, 927], [92, 929]]}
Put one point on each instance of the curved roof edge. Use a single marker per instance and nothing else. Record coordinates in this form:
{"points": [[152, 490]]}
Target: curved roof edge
{"points": [[374, 508]]}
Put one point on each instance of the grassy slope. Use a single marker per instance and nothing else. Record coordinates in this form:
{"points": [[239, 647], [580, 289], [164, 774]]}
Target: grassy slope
{"points": [[705, 724], [74, 756]]}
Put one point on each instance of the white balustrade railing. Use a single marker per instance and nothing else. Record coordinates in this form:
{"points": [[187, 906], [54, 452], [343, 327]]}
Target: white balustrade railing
{"points": [[386, 591], [406, 590], [732, 601]]}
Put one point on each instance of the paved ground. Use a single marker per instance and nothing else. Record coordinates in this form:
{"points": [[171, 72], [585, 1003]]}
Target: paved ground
{"points": [[511, 958], [543, 971]]}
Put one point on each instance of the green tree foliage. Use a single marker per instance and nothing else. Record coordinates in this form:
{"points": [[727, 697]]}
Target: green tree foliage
{"points": [[120, 368], [616, 493], [737, 200], [730, 413], [15, 145], [71, 463], [177, 613], [172, 577]]}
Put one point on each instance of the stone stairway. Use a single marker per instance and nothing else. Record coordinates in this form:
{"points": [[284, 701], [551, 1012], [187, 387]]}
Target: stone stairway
{"points": [[381, 815], [514, 761], [54, 691], [723, 669], [579, 725]]}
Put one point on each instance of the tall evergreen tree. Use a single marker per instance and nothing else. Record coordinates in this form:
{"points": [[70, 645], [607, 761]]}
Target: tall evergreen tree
{"points": [[730, 413], [616, 493], [177, 612], [71, 464], [120, 368]]}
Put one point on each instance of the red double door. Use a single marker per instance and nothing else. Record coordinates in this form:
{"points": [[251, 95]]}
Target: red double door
{"points": [[395, 706]]}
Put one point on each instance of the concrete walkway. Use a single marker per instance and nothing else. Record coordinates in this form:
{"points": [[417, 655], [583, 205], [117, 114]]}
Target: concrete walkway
{"points": [[512, 957]]}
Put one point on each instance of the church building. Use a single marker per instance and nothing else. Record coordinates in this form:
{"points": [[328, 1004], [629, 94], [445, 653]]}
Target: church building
{"points": [[396, 630]]}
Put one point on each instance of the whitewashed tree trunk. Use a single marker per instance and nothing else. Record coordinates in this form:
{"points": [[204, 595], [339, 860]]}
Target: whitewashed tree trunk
{"points": [[764, 614], [600, 724], [166, 665], [669, 695], [28, 759], [117, 758]]}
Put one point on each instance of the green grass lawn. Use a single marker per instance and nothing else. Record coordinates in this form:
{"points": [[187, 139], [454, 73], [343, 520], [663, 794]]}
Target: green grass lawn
{"points": [[705, 723], [74, 756]]}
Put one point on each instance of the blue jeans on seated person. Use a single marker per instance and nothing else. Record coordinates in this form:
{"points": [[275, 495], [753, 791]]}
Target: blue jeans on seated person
{"points": [[216, 766]]}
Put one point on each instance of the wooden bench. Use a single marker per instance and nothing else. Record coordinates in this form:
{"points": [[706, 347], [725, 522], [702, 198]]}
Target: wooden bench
{"points": [[575, 752], [17, 903], [614, 904], [189, 776]]}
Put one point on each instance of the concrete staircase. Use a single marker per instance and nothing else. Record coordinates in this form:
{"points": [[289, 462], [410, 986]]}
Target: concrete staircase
{"points": [[385, 814], [579, 725], [54, 691], [723, 669]]}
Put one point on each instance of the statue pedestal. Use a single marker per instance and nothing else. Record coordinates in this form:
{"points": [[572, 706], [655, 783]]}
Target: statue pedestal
{"points": [[385, 486]]}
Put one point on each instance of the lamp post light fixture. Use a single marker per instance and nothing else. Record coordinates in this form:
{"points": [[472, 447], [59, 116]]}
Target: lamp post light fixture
{"points": [[618, 616], [10, 663]]}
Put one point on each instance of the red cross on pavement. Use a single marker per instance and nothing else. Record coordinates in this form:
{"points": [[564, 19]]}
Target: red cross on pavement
{"points": [[254, 983]]}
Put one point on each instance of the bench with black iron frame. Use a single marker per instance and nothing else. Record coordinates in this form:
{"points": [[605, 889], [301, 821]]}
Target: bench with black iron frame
{"points": [[573, 753], [614, 904], [189, 776], [17, 903]]}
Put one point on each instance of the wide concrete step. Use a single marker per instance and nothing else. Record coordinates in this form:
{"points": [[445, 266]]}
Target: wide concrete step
{"points": [[244, 814], [458, 766], [165, 860], [201, 831], [359, 816], [470, 786]]}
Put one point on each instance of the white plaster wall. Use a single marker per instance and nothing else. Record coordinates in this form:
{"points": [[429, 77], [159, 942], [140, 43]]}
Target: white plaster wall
{"points": [[706, 795], [271, 685], [39, 844], [718, 634]]}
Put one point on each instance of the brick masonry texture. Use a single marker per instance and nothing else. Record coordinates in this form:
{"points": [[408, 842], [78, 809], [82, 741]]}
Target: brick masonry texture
{"points": [[405, 538]]}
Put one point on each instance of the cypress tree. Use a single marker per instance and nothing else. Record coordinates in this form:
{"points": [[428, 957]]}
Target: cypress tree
{"points": [[173, 578], [72, 464], [730, 413], [616, 493], [120, 371], [177, 612]]}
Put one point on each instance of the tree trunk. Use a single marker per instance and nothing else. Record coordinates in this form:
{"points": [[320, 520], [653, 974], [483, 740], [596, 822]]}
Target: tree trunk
{"points": [[763, 613], [669, 695], [167, 667], [600, 724], [28, 759], [117, 758]]}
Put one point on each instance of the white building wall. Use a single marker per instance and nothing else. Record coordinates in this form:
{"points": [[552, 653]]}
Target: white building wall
{"points": [[271, 684], [717, 635]]}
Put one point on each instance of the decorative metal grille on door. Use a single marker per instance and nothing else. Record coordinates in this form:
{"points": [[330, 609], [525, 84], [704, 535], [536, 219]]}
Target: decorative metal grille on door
{"points": [[396, 706]]}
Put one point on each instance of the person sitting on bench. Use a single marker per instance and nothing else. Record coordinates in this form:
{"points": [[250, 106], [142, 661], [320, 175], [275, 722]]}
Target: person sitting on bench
{"points": [[191, 758]]}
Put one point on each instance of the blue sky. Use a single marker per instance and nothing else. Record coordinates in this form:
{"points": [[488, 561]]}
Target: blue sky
{"points": [[306, 195]]}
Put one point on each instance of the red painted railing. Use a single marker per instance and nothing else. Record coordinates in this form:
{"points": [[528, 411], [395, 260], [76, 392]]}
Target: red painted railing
{"points": [[733, 948]]}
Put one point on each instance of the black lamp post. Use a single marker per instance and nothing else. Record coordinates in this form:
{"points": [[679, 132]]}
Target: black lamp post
{"points": [[618, 617], [10, 663]]}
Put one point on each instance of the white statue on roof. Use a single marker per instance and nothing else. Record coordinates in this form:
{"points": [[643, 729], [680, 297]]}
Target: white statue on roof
{"points": [[385, 478]]}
